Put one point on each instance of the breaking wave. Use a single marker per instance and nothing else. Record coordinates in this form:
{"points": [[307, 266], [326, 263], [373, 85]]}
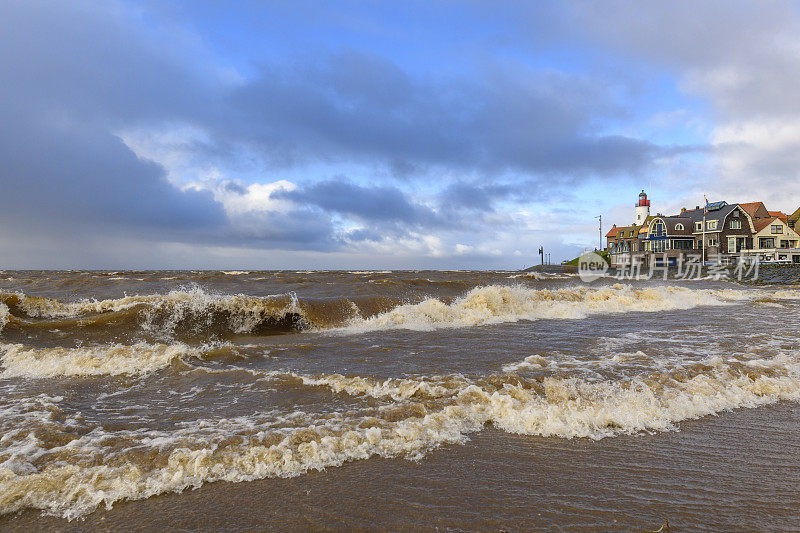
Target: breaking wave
{"points": [[495, 304], [415, 416], [141, 358], [192, 312], [186, 312]]}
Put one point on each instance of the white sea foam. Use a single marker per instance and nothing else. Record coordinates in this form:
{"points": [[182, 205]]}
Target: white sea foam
{"points": [[5, 316], [532, 361], [495, 304], [396, 389], [141, 358], [571, 407]]}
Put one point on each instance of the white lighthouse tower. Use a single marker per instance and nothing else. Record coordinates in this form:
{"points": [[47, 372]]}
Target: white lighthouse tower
{"points": [[642, 209]]}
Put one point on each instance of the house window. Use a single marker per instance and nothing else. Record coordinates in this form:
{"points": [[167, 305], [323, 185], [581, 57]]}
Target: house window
{"points": [[713, 242], [698, 226], [659, 229], [785, 244], [736, 224], [731, 245], [766, 242], [711, 224], [776, 229], [678, 227]]}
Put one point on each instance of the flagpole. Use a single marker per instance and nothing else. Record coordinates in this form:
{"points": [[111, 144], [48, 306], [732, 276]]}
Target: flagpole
{"points": [[705, 212], [704, 237]]}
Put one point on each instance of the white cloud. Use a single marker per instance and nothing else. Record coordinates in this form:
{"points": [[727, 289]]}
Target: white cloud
{"points": [[239, 199]]}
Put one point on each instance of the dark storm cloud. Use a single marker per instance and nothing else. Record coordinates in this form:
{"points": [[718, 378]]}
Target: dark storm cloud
{"points": [[69, 77], [375, 203], [79, 174], [68, 176], [362, 107]]}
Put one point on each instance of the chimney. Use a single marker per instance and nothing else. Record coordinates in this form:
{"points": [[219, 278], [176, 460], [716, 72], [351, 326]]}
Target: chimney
{"points": [[696, 207], [614, 226], [683, 210]]}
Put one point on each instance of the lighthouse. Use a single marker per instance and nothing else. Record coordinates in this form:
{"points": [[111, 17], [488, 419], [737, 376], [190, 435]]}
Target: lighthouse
{"points": [[642, 209]]}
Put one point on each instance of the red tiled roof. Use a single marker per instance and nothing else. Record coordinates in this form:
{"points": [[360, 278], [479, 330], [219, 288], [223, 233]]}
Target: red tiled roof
{"points": [[780, 214], [613, 232], [762, 223], [752, 207]]}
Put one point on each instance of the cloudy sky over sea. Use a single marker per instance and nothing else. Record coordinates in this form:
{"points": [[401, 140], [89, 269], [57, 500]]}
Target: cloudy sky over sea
{"points": [[380, 135]]}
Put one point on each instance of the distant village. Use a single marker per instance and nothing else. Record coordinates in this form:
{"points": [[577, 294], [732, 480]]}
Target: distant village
{"points": [[718, 232]]}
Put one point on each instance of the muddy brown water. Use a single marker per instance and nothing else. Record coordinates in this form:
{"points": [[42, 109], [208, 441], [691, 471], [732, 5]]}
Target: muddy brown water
{"points": [[396, 401]]}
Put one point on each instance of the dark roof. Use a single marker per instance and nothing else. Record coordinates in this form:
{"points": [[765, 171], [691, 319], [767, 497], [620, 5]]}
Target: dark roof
{"points": [[694, 214], [672, 223], [718, 213]]}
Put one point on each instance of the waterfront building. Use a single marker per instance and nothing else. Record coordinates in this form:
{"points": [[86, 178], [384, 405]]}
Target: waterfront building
{"points": [[721, 228], [717, 232], [774, 241], [669, 237], [622, 243]]}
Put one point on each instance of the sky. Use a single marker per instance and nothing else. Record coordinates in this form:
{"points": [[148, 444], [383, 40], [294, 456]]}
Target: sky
{"points": [[329, 135]]}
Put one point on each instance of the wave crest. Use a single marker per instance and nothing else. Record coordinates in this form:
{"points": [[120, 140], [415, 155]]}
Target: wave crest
{"points": [[495, 304], [140, 358], [421, 414], [184, 312], [192, 312]]}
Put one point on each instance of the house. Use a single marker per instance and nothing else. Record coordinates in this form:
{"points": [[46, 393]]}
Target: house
{"points": [[670, 237], [775, 241], [721, 228], [621, 243]]}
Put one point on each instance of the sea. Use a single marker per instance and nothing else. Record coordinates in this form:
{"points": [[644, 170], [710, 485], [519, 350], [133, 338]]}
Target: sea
{"points": [[397, 401]]}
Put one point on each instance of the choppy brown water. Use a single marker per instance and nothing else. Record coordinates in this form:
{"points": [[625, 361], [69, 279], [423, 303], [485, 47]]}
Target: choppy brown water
{"points": [[399, 400]]}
